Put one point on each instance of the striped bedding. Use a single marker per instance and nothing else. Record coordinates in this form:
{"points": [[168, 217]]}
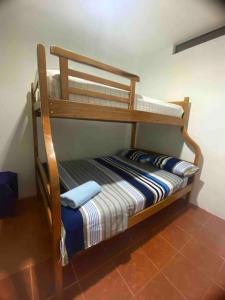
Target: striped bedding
{"points": [[127, 188]]}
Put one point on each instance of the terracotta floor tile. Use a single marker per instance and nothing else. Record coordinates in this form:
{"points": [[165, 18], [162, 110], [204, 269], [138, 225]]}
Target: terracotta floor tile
{"points": [[159, 289], [220, 276], [216, 226], [146, 229], [73, 293], [202, 257], [212, 241], [198, 214], [188, 224], [25, 234], [105, 283], [90, 260], [118, 243], [175, 210], [158, 250], [214, 293], [135, 267], [43, 280], [16, 287], [176, 236], [191, 282]]}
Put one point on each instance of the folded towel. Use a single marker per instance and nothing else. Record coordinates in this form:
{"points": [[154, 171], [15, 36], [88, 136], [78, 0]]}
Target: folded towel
{"points": [[79, 195]]}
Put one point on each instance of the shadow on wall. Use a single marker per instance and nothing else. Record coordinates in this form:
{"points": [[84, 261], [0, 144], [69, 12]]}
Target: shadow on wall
{"points": [[18, 156]]}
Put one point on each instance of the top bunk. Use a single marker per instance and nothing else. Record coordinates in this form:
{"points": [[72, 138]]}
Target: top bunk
{"points": [[69, 93]]}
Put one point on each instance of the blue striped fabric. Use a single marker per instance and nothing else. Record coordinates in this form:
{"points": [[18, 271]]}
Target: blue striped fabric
{"points": [[153, 189], [137, 155], [174, 165], [127, 188]]}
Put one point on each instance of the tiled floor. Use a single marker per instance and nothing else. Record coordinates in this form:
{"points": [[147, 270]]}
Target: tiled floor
{"points": [[175, 255]]}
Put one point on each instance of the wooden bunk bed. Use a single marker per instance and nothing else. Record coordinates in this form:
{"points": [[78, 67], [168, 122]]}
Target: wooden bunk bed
{"points": [[47, 108]]}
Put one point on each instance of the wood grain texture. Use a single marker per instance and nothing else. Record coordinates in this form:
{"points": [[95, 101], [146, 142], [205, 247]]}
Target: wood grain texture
{"points": [[35, 136], [194, 146], [44, 180], [63, 67], [73, 110], [52, 170], [132, 94], [133, 135], [91, 62], [97, 79], [45, 201]]}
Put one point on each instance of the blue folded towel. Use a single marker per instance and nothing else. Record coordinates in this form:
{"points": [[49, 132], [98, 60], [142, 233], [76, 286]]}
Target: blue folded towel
{"points": [[79, 195]]}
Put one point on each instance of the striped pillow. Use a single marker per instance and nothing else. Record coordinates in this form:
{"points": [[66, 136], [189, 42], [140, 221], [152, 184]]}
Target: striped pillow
{"points": [[174, 165], [136, 155]]}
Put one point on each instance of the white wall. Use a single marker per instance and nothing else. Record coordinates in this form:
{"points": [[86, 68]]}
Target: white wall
{"points": [[118, 33], [198, 73], [23, 24]]}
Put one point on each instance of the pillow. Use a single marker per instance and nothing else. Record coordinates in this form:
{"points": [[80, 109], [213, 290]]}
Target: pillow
{"points": [[174, 165], [136, 155]]}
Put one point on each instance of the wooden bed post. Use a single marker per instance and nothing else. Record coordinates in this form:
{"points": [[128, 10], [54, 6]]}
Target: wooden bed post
{"points": [[189, 141], [35, 139], [133, 135], [52, 170], [131, 106]]}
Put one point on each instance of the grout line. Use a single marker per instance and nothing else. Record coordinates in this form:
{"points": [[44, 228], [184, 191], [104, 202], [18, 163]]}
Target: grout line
{"points": [[74, 272], [160, 272], [93, 271], [158, 269], [122, 250], [201, 270], [207, 247], [217, 283], [31, 281], [124, 281], [78, 280], [168, 279], [198, 268]]}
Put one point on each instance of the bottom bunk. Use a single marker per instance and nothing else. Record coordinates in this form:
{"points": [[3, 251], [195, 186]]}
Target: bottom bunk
{"points": [[130, 192]]}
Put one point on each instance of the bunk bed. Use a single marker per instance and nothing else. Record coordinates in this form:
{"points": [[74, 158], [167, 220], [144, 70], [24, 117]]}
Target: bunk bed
{"points": [[74, 86]]}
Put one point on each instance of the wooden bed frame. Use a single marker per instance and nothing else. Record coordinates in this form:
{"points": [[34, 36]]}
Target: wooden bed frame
{"points": [[49, 186]]}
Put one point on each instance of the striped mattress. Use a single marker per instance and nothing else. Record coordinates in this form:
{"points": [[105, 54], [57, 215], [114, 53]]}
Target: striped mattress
{"points": [[141, 103], [127, 188]]}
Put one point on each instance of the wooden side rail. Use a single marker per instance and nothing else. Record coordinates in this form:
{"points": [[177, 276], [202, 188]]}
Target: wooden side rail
{"points": [[45, 201], [44, 179], [91, 62], [65, 72], [71, 109]]}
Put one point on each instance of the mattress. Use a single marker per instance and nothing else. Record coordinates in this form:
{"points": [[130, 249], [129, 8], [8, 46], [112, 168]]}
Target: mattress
{"points": [[142, 103], [127, 188]]}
